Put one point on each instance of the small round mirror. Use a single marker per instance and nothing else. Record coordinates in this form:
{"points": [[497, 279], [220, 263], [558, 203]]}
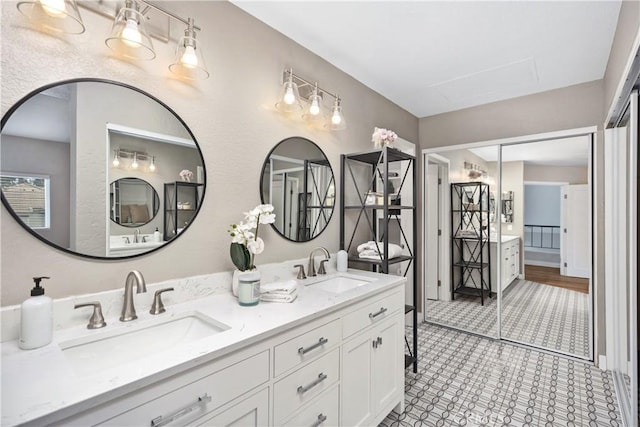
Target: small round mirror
{"points": [[298, 181], [134, 202]]}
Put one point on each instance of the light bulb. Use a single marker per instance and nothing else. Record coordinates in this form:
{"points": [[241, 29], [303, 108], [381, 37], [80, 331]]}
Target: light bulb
{"points": [[116, 161], [289, 96], [131, 35], [336, 118], [314, 108], [134, 165], [55, 8], [152, 166], [189, 58]]}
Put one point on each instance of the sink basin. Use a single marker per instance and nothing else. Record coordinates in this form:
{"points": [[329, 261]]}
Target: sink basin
{"points": [[341, 283], [109, 349]]}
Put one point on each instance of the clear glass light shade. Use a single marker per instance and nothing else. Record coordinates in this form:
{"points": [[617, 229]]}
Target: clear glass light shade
{"points": [[129, 36], [53, 15], [337, 121], [152, 166], [314, 110], [289, 101], [116, 160], [189, 62]]}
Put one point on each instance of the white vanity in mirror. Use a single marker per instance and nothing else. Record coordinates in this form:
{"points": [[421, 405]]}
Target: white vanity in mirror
{"points": [[510, 260], [333, 357]]}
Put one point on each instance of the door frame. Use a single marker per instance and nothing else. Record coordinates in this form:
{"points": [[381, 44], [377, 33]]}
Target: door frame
{"points": [[593, 178]]}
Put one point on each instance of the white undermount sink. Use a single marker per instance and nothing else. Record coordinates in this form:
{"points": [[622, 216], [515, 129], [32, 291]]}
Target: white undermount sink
{"points": [[107, 349], [340, 283]]}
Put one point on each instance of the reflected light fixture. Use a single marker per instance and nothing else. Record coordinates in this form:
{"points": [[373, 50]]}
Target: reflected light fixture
{"points": [[134, 164], [54, 15], [337, 118], [129, 36], [295, 88], [189, 62], [152, 166], [289, 101], [116, 159]]}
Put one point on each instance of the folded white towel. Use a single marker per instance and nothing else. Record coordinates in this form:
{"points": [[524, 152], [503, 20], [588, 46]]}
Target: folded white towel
{"points": [[279, 296], [285, 287], [369, 250]]}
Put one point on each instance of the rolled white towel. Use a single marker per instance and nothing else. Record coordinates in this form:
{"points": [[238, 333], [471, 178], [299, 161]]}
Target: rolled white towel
{"points": [[374, 253], [285, 287], [279, 296]]}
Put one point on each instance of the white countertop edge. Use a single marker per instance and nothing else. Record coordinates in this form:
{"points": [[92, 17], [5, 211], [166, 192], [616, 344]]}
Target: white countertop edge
{"points": [[107, 389]]}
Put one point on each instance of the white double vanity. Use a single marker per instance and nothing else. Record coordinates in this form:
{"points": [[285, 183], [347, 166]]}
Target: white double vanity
{"points": [[332, 357]]}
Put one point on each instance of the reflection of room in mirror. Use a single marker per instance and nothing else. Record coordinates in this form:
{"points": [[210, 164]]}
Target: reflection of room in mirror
{"points": [[298, 181], [53, 134]]}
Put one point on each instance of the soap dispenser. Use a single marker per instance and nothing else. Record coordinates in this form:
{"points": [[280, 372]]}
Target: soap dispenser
{"points": [[36, 318], [156, 235]]}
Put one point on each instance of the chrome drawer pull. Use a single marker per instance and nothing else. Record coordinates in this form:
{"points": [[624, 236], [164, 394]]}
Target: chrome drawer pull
{"points": [[377, 313], [321, 418], [304, 389], [321, 341], [164, 420]]}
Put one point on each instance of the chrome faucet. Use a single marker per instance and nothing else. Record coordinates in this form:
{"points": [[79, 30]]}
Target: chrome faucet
{"points": [[312, 266], [128, 310], [136, 233]]}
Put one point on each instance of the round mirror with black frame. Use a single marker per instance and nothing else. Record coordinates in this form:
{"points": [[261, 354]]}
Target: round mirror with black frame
{"points": [[133, 202], [68, 146], [297, 179]]}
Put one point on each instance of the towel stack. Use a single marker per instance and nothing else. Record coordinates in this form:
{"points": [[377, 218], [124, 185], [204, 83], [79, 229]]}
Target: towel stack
{"points": [[375, 250], [279, 291]]}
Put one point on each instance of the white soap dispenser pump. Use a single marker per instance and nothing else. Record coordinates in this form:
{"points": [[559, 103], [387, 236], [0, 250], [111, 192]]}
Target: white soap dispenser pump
{"points": [[156, 235], [36, 318]]}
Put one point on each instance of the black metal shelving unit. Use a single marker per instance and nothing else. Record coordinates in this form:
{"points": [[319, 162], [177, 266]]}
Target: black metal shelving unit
{"points": [[470, 250], [176, 215], [368, 173]]}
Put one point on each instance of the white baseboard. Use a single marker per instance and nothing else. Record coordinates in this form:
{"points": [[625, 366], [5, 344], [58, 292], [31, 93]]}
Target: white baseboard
{"points": [[541, 263], [602, 362]]}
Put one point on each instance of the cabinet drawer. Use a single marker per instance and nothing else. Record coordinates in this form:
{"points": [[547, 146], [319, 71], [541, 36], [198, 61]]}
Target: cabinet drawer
{"points": [[187, 403], [323, 411], [372, 313], [303, 385], [306, 346]]}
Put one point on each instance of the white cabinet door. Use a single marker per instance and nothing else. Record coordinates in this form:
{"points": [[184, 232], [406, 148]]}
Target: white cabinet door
{"points": [[253, 411], [388, 361], [356, 381]]}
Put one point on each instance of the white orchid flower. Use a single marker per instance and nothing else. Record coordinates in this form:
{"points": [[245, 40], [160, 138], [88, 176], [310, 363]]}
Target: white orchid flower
{"points": [[267, 218], [256, 246]]}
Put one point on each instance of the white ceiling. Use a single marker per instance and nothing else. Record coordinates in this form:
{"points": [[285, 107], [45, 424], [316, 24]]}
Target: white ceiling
{"points": [[558, 152], [431, 57], [52, 110]]}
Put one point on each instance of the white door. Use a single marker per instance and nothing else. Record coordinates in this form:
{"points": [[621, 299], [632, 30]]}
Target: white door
{"points": [[575, 251], [388, 360], [356, 383], [432, 239]]}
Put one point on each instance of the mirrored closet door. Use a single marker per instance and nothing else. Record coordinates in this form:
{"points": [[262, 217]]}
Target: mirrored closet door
{"points": [[546, 253], [461, 265]]}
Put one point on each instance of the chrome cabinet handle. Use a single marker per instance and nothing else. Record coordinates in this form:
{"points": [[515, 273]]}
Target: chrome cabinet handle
{"points": [[377, 342], [321, 341], [304, 389], [164, 420], [321, 418], [377, 313]]}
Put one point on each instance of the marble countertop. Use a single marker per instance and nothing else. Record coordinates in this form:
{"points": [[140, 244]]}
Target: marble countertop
{"points": [[41, 382], [503, 238]]}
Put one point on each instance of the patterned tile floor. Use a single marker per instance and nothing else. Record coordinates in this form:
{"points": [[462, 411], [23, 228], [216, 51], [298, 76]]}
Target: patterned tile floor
{"points": [[546, 316], [466, 380]]}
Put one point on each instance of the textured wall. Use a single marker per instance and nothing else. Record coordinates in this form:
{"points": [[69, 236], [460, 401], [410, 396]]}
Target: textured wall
{"points": [[231, 114]]}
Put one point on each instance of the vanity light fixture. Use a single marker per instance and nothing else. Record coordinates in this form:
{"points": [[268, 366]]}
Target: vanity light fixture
{"points": [[189, 62], [134, 160], [54, 15], [129, 36], [295, 89]]}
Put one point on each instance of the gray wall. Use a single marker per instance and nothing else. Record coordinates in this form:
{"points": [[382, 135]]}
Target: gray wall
{"points": [[569, 174], [232, 115], [50, 158], [542, 204]]}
